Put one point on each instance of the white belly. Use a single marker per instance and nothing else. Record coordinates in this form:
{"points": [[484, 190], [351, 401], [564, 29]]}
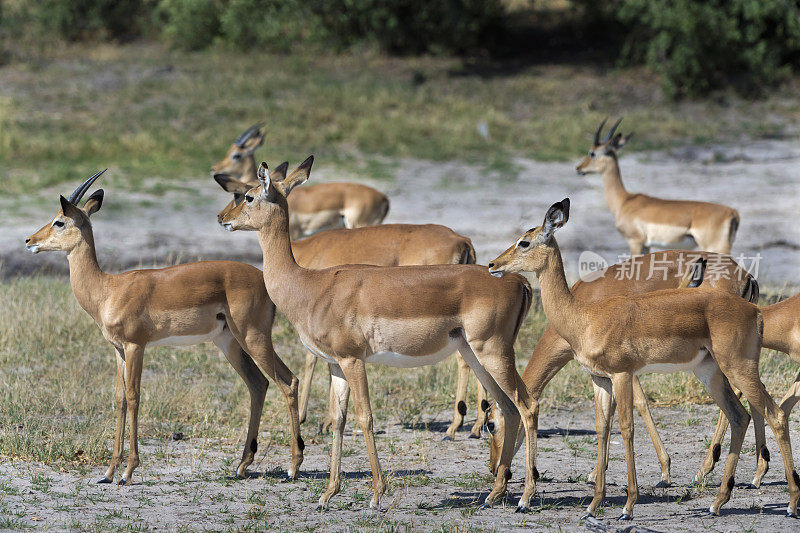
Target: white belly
{"points": [[411, 361], [187, 340], [664, 236], [668, 368]]}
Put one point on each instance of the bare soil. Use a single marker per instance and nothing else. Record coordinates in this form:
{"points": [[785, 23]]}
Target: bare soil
{"points": [[433, 484], [759, 179]]}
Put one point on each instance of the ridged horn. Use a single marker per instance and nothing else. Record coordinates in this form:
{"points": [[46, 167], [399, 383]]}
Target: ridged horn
{"points": [[78, 193]]}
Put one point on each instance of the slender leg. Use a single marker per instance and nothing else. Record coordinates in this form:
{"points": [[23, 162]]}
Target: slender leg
{"points": [[714, 449], [305, 384], [603, 413], [762, 452], [482, 409], [640, 402], [341, 390], [720, 390], [623, 390], [119, 435], [257, 387], [330, 413], [356, 374], [792, 396], [460, 406], [134, 355], [745, 377]]}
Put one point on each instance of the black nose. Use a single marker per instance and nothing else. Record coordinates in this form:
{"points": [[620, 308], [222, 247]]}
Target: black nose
{"points": [[491, 264], [27, 241]]}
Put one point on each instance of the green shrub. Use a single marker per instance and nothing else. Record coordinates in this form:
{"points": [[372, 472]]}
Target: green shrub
{"points": [[263, 24], [411, 26], [189, 24], [699, 46]]}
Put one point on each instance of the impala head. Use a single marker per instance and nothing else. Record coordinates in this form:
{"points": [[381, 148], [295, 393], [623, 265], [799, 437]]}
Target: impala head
{"points": [[239, 188], [71, 225], [265, 205], [240, 152], [531, 251], [603, 151]]}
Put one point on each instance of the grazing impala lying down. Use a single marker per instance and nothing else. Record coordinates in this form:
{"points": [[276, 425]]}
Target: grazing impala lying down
{"points": [[220, 301], [645, 221], [314, 208], [647, 273], [714, 334], [404, 316], [384, 245]]}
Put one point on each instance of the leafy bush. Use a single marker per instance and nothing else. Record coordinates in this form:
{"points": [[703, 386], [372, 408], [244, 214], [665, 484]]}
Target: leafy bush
{"points": [[264, 24], [189, 24], [412, 26], [700, 46]]}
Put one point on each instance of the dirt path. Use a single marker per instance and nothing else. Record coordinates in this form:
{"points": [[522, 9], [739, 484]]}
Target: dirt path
{"points": [[760, 179], [187, 484]]}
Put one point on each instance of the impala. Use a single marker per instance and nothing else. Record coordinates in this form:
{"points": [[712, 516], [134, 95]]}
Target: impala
{"points": [[311, 209], [403, 316], [645, 221], [781, 333], [220, 301], [647, 273], [384, 245], [712, 333]]}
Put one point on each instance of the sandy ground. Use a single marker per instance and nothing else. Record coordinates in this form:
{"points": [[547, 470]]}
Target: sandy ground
{"points": [[187, 484], [760, 179]]}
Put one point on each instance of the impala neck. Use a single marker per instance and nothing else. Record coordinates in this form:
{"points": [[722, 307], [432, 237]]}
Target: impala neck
{"points": [[614, 189], [561, 307], [85, 275], [283, 277], [249, 172]]}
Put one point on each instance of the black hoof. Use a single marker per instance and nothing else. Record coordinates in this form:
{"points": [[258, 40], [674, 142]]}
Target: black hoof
{"points": [[473, 436], [122, 481], [522, 509], [485, 505], [587, 515], [663, 484], [447, 438], [750, 486], [322, 508], [104, 480], [712, 513], [791, 515], [625, 517]]}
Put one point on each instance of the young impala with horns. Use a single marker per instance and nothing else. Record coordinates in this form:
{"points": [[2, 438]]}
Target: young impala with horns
{"points": [[638, 275], [311, 209], [400, 316], [714, 334], [645, 221], [383, 245], [220, 301]]}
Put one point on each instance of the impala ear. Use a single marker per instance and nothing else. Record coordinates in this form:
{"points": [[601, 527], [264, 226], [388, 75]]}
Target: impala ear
{"points": [[620, 140], [556, 216], [231, 184], [279, 174], [253, 142], [697, 273], [298, 176], [70, 210], [263, 179], [94, 203]]}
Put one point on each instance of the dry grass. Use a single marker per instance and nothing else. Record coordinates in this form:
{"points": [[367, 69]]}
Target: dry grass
{"points": [[57, 378], [148, 111]]}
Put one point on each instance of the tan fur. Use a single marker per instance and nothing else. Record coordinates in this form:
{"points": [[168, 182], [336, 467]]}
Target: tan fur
{"points": [[313, 208], [647, 273], [222, 301], [644, 220], [715, 334], [354, 313]]}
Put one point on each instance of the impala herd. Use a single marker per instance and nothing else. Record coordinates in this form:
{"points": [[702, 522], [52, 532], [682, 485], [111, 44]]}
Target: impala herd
{"points": [[408, 295]]}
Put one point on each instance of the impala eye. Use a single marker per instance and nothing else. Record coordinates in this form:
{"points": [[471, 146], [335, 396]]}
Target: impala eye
{"points": [[591, 153], [59, 223], [237, 156], [248, 198], [523, 244]]}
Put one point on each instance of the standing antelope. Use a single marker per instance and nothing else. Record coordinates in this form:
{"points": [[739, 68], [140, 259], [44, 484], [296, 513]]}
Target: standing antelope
{"points": [[384, 245], [220, 301], [645, 221], [404, 316], [781, 333], [311, 209], [647, 273], [712, 333]]}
